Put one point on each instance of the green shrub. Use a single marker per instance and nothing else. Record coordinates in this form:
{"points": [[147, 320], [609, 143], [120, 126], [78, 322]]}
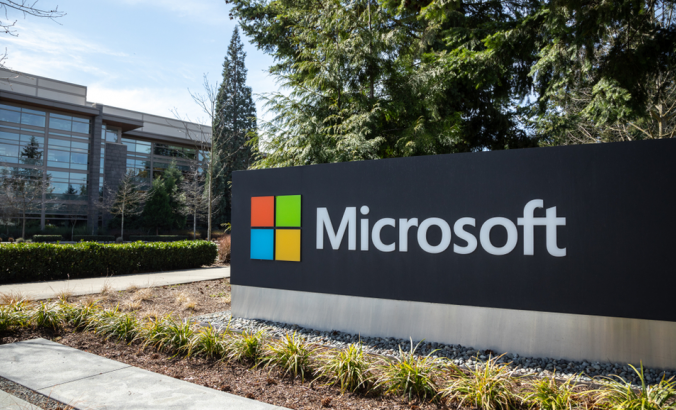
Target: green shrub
{"points": [[48, 315], [411, 375], [94, 238], [247, 346], [550, 394], [158, 238], [44, 261], [290, 354], [348, 366], [208, 342], [488, 386], [47, 238], [622, 395], [20, 240]]}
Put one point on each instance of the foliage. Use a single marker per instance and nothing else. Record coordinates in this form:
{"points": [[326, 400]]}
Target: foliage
{"points": [[10, 318], [121, 326], [550, 394], [291, 354], [488, 385], [127, 200], [348, 366], [41, 261], [47, 238], [621, 395], [48, 315], [94, 238], [410, 375], [157, 213], [80, 316], [247, 346], [158, 238], [168, 334], [368, 80], [224, 248], [190, 196], [207, 342], [234, 125]]}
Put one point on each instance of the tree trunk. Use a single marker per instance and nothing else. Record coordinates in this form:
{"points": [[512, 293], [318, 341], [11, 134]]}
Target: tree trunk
{"points": [[194, 226], [122, 230], [23, 225]]}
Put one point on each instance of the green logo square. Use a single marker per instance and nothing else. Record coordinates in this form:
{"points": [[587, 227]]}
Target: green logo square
{"points": [[287, 211]]}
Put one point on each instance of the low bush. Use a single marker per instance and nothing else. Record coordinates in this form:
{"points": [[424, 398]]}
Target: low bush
{"points": [[292, 355], [44, 261], [158, 238], [47, 238], [550, 394], [411, 375], [620, 394], [488, 386], [20, 240], [348, 366], [94, 238], [247, 346]]}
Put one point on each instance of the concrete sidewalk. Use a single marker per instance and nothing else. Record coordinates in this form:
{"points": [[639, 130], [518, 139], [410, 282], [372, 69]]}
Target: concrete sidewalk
{"points": [[9, 402], [49, 290], [88, 381]]}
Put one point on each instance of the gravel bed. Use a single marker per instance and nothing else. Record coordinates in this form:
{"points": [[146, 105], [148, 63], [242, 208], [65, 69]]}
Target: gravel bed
{"points": [[30, 396], [462, 356]]}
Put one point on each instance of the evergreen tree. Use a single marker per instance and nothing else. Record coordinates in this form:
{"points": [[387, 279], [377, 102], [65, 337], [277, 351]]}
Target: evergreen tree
{"points": [[157, 212], [172, 178], [234, 126]]}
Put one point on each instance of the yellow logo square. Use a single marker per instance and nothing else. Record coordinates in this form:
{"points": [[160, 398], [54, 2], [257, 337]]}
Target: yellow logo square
{"points": [[287, 245]]}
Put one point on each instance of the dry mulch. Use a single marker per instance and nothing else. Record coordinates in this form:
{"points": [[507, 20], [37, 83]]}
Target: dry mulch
{"points": [[234, 378], [198, 298], [183, 301]]}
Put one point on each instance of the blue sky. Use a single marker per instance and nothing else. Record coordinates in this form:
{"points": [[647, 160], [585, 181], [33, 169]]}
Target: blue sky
{"points": [[138, 54]]}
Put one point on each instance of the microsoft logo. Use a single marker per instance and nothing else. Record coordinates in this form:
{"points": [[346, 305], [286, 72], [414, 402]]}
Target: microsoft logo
{"points": [[273, 219]]}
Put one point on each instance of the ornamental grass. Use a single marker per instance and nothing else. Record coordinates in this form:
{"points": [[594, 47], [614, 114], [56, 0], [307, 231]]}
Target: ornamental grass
{"points": [[488, 385]]}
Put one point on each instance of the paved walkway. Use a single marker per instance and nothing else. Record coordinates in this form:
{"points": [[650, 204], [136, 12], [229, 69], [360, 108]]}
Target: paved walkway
{"points": [[49, 290], [9, 402], [88, 381]]}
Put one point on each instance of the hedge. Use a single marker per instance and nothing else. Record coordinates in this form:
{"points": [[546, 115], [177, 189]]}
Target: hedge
{"points": [[44, 261], [47, 238], [94, 238], [158, 238]]}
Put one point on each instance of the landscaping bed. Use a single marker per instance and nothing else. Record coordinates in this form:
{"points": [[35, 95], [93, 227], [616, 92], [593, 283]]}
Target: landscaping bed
{"points": [[284, 368]]}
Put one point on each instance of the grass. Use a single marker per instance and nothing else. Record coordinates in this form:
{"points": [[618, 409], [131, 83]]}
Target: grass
{"points": [[107, 288], [487, 385], [550, 394], [410, 375], [208, 342], [143, 294], [48, 315], [620, 394], [247, 346], [13, 297], [291, 355], [349, 367]]}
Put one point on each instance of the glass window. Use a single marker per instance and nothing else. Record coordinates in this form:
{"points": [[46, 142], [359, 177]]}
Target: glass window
{"points": [[9, 150], [78, 178], [58, 175], [32, 119], [10, 116], [59, 124], [9, 136], [33, 111], [81, 127], [111, 136], [54, 143], [80, 146], [32, 140], [77, 158], [59, 187], [58, 157], [143, 147]]}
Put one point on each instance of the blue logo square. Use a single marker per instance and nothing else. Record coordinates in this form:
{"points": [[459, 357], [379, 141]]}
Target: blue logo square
{"points": [[263, 244]]}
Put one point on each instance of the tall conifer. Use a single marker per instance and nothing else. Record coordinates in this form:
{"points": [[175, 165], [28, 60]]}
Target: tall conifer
{"points": [[234, 125]]}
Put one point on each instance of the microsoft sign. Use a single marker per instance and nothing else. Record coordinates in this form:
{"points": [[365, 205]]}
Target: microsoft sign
{"points": [[542, 244]]}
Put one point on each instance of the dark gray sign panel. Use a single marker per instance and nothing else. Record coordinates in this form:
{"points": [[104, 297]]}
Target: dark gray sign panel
{"points": [[580, 229]]}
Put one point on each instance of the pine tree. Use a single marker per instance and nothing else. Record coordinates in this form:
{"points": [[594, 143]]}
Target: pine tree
{"points": [[157, 211], [234, 126]]}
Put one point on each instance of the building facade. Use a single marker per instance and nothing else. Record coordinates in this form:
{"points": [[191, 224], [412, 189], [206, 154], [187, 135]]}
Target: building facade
{"points": [[49, 131]]}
